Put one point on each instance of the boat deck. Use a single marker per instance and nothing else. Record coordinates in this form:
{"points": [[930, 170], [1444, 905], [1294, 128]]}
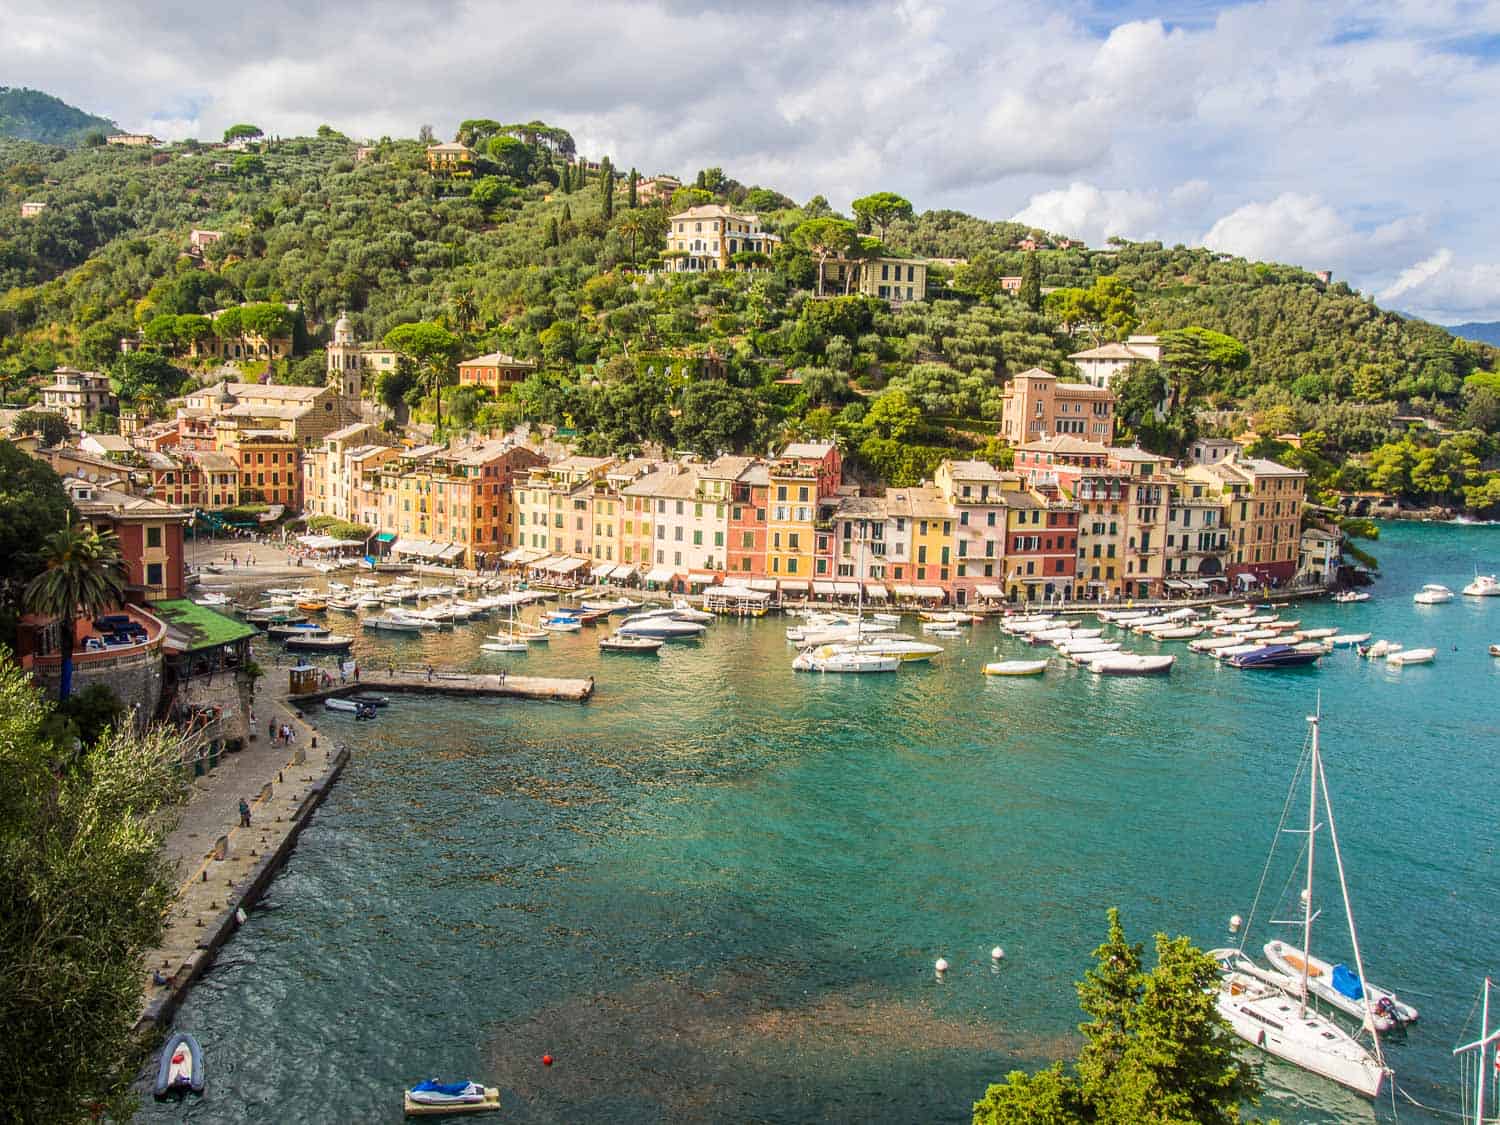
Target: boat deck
{"points": [[410, 679]]}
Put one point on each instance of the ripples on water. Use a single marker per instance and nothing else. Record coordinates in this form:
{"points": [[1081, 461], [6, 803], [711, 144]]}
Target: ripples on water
{"points": [[716, 892]]}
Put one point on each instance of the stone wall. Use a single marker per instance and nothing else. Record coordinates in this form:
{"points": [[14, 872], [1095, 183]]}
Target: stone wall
{"points": [[134, 677]]}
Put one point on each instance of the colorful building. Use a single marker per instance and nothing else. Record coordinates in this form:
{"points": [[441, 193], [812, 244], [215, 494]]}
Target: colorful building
{"points": [[1036, 406]]}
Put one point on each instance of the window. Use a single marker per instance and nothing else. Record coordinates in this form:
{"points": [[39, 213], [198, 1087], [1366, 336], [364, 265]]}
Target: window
{"points": [[153, 537], [153, 574]]}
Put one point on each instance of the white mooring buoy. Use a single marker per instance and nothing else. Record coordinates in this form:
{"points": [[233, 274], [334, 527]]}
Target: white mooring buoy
{"points": [[1235, 922], [942, 965], [997, 954]]}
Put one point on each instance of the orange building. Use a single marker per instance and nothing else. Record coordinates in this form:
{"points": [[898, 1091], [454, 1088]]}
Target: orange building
{"points": [[495, 372]]}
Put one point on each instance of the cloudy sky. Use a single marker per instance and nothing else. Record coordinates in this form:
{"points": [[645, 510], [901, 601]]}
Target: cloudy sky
{"points": [[1354, 136]]}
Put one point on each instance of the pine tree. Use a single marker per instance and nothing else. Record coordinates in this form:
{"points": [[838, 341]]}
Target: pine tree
{"points": [[1031, 282], [1108, 993], [633, 202]]}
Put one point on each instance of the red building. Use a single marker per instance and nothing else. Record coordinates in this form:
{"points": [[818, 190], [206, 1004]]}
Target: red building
{"points": [[150, 535], [495, 372], [1041, 551], [745, 553]]}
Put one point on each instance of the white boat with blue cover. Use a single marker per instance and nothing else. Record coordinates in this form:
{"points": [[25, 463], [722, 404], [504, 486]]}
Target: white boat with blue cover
{"points": [[1340, 986]]}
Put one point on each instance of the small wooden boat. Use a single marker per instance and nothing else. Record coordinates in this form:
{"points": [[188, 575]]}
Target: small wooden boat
{"points": [[1015, 668], [180, 1069], [628, 643], [1411, 656], [434, 1098], [312, 605], [332, 642]]}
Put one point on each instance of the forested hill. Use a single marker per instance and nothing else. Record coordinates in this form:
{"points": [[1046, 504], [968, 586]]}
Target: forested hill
{"points": [[31, 115], [524, 258]]}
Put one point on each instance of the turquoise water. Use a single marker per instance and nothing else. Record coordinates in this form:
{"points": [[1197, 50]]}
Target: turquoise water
{"points": [[716, 892]]}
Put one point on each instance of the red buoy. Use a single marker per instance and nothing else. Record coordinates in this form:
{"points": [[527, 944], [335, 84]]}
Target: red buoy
{"points": [[546, 1060]]}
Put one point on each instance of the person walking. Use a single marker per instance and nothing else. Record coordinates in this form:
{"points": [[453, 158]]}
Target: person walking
{"points": [[244, 813]]}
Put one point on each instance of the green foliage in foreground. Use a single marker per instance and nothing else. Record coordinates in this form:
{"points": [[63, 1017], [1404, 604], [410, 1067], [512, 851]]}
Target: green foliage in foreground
{"points": [[1156, 1050], [83, 890]]}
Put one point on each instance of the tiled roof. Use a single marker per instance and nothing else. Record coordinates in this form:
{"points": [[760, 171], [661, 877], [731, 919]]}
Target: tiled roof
{"points": [[809, 450], [497, 359]]}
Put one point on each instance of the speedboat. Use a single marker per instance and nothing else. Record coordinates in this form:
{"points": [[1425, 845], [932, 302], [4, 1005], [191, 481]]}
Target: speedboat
{"points": [[180, 1069], [1015, 668], [684, 611], [392, 624], [504, 645], [1130, 664], [1346, 597], [351, 707], [1339, 986], [300, 629], [1411, 656], [1483, 586], [629, 643], [1432, 594], [1275, 656], [326, 642], [1345, 640], [899, 647], [663, 625], [1378, 649]]}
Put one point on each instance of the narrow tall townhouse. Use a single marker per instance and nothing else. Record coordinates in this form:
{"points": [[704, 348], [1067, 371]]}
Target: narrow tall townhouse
{"points": [[453, 504], [1263, 507], [1146, 511], [689, 524], [1197, 540], [975, 492], [802, 476], [554, 505], [924, 536]]}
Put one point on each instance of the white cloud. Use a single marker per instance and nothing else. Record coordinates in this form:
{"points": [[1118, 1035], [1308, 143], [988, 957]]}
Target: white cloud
{"points": [[1442, 289], [1305, 229], [1093, 214]]}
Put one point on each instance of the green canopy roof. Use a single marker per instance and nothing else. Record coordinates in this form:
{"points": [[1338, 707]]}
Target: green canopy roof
{"points": [[203, 627]]}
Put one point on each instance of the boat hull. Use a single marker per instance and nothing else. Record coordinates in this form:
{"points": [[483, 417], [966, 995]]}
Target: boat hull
{"points": [[1264, 1017], [180, 1067]]}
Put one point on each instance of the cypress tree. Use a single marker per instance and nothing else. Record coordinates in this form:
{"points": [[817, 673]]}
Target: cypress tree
{"points": [[552, 239], [607, 189], [567, 214], [634, 177], [1031, 282]]}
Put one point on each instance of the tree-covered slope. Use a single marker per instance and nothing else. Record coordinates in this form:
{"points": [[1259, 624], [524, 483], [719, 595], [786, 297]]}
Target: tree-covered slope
{"points": [[31, 115]]}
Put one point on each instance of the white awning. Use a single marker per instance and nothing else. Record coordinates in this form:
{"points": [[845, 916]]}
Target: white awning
{"points": [[543, 562], [327, 542], [450, 552], [846, 588], [622, 572], [796, 584], [765, 585], [930, 592], [522, 555], [993, 592], [742, 592], [905, 591], [566, 565], [876, 590], [1173, 584], [601, 570], [661, 574], [827, 589], [702, 579]]}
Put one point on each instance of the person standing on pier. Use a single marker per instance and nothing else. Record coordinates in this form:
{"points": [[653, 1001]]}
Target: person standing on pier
{"points": [[244, 813]]}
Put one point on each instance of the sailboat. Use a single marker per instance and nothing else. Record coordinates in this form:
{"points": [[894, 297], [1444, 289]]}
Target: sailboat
{"points": [[847, 657], [1263, 1011]]}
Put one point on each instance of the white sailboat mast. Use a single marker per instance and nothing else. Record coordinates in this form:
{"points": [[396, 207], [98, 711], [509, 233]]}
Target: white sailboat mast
{"points": [[1312, 839], [1338, 859]]}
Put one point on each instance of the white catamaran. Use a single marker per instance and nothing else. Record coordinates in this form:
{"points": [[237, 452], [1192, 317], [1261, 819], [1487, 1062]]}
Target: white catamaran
{"points": [[1271, 1009]]}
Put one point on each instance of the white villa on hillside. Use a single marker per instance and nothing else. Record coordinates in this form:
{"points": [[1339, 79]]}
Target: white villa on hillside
{"points": [[1100, 365], [707, 238]]}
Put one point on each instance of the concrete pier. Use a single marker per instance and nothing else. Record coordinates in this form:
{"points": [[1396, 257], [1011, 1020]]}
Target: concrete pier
{"points": [[415, 679]]}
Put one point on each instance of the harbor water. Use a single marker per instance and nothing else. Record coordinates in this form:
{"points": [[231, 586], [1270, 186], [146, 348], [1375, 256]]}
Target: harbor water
{"points": [[716, 892]]}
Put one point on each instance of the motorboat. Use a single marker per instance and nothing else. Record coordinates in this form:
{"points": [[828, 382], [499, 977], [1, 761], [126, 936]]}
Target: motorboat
{"points": [[337, 587], [1340, 986], [1314, 634], [343, 605], [1130, 664], [1432, 594], [1015, 668], [1228, 653], [1483, 586], [616, 605], [1176, 633], [847, 631], [1411, 656], [556, 623], [900, 647], [1284, 626], [299, 629], [951, 632], [850, 660], [374, 699], [312, 605], [179, 1069], [1275, 656], [1348, 597], [434, 1097], [1213, 644], [390, 623], [327, 642], [1346, 640], [1236, 612], [1495, 650], [1085, 647], [274, 615], [887, 618], [630, 643], [1269, 1008], [946, 617], [663, 625], [350, 707], [212, 599], [1379, 649], [683, 610]]}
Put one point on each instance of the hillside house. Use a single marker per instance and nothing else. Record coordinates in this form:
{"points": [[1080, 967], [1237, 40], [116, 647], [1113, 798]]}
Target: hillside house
{"points": [[32, 209], [496, 372], [450, 159], [709, 236], [1102, 365]]}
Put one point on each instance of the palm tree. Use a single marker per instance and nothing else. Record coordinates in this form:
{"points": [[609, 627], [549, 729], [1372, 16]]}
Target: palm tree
{"points": [[464, 309], [631, 226], [85, 575]]}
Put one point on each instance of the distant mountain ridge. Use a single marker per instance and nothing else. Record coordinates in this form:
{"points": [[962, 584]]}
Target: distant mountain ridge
{"points": [[1484, 331], [31, 115]]}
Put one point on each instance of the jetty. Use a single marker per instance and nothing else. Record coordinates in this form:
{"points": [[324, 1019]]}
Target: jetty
{"points": [[420, 680]]}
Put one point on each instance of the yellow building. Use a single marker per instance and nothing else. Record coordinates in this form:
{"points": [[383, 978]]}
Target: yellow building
{"points": [[802, 476], [450, 158], [1148, 494], [554, 505], [925, 523], [709, 236]]}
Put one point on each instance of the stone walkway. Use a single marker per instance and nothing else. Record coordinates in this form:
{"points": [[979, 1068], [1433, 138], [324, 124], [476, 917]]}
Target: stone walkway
{"points": [[276, 782]]}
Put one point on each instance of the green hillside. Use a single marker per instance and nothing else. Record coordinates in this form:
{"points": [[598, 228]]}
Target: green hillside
{"points": [[31, 115], [522, 259]]}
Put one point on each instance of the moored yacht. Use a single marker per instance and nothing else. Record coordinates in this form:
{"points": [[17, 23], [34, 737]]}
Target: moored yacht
{"points": [[1432, 593], [1483, 586]]}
